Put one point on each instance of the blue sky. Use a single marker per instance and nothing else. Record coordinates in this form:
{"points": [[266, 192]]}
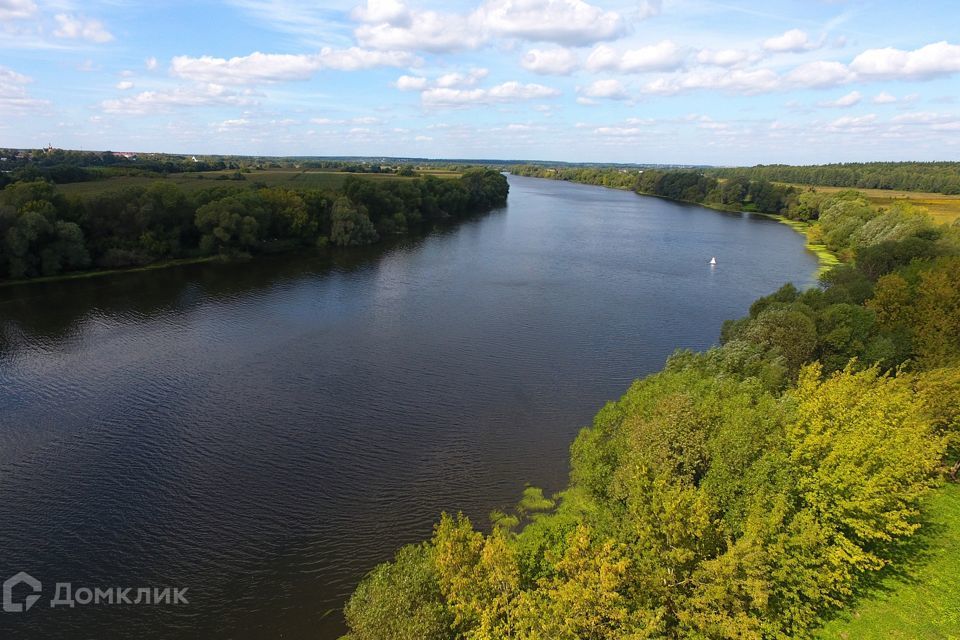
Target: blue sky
{"points": [[648, 81]]}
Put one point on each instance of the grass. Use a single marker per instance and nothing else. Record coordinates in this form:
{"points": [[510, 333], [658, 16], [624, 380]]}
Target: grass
{"points": [[943, 209], [920, 601], [192, 182], [94, 273], [825, 257]]}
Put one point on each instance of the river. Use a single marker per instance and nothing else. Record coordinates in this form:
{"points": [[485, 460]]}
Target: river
{"points": [[263, 433]]}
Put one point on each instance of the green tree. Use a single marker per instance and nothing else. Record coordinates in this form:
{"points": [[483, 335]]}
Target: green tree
{"points": [[350, 225]]}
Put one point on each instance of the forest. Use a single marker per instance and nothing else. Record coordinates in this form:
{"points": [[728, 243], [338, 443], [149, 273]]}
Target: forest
{"points": [[750, 491], [936, 177], [46, 233]]}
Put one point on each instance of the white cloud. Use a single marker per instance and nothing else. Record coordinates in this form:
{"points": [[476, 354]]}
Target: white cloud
{"points": [[389, 11], [423, 139], [649, 8], [195, 96], [77, 27], [423, 31], [151, 63], [819, 74], [722, 57], [125, 85], [737, 81], [13, 92], [391, 24], [17, 9], [662, 56], [411, 83], [618, 131], [610, 89], [277, 67], [843, 102], [558, 61], [566, 22], [853, 124], [936, 59], [793, 40], [460, 79], [506, 92], [884, 98]]}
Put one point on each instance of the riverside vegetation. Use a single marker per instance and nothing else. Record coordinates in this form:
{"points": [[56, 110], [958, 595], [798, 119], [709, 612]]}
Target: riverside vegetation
{"points": [[45, 232], [750, 491]]}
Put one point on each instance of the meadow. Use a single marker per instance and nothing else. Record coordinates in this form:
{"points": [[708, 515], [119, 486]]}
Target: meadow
{"points": [[920, 600], [943, 209]]}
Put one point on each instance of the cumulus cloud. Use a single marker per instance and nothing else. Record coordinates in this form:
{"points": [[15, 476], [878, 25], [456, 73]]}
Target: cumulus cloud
{"points": [[820, 74], [411, 83], [506, 92], [17, 9], [610, 89], [566, 22], [151, 63], [853, 124], [558, 62], [936, 59], [389, 11], [722, 57], [125, 85], [649, 8], [194, 96], [77, 27], [884, 98], [391, 24], [13, 92], [468, 79], [793, 40], [276, 67], [662, 56], [737, 81], [849, 100]]}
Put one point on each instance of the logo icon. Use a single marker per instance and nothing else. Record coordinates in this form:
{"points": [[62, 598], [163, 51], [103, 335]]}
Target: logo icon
{"points": [[21, 578]]}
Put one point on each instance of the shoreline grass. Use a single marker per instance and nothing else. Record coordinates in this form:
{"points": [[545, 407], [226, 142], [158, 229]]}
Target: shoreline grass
{"points": [[918, 601], [80, 275]]}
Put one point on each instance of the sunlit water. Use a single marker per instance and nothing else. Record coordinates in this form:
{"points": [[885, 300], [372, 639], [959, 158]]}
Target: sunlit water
{"points": [[264, 433]]}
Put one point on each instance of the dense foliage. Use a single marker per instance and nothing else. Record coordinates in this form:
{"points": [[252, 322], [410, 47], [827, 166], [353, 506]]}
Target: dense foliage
{"points": [[744, 492], [43, 233], [687, 185], [939, 177]]}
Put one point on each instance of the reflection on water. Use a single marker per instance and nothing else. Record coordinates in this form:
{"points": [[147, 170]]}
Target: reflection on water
{"points": [[265, 432]]}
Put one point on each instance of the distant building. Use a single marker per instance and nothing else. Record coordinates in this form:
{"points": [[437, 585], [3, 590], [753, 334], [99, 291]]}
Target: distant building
{"points": [[129, 155]]}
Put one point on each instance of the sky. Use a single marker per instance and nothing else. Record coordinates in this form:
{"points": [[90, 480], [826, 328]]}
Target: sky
{"points": [[726, 82]]}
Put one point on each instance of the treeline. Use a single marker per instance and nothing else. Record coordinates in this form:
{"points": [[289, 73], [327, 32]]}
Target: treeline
{"points": [[680, 184], [743, 492], [938, 177], [44, 233]]}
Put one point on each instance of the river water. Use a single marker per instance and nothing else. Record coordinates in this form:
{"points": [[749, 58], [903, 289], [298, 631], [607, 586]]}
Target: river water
{"points": [[263, 433]]}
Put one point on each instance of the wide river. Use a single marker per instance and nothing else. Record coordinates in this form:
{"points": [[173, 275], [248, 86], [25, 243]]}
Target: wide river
{"points": [[263, 433]]}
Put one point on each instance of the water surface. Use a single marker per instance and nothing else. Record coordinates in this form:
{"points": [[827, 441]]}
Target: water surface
{"points": [[264, 433]]}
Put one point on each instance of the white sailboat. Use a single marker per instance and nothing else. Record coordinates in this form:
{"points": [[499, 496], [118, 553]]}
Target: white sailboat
{"points": [[713, 261]]}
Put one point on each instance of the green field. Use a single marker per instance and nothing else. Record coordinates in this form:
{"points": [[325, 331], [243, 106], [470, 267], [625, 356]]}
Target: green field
{"points": [[943, 209], [190, 182], [921, 601]]}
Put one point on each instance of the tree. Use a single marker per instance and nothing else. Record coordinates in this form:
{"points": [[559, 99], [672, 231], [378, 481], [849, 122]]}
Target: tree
{"points": [[400, 600], [790, 333], [226, 227], [350, 225]]}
